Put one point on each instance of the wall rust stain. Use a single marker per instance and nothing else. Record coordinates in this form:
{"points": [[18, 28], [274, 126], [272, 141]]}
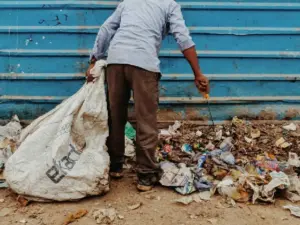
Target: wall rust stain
{"points": [[291, 113], [194, 114], [267, 114], [168, 114], [162, 115]]}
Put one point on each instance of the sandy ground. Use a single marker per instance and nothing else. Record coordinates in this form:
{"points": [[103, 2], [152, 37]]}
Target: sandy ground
{"points": [[157, 208]]}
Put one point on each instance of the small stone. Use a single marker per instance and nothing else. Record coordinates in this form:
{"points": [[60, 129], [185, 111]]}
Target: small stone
{"points": [[213, 221], [135, 206], [5, 212], [248, 140], [148, 196], [23, 221], [263, 217], [199, 133], [105, 216], [232, 202], [158, 198], [121, 217], [192, 216], [1, 200]]}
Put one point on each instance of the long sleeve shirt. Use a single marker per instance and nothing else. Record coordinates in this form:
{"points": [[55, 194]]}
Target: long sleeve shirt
{"points": [[133, 33]]}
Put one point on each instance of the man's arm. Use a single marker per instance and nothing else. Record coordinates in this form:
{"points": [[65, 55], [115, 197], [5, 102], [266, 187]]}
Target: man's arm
{"points": [[104, 36], [106, 33], [201, 81], [186, 45]]}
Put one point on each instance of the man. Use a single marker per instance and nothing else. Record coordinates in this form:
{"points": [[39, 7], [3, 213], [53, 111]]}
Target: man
{"points": [[132, 35]]}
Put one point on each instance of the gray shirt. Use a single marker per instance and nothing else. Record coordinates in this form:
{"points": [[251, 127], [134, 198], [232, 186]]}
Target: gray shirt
{"points": [[134, 32]]}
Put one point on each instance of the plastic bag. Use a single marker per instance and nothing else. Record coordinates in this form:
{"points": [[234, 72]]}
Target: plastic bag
{"points": [[62, 155]]}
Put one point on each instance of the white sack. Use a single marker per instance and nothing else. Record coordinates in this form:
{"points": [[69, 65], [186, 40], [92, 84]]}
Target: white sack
{"points": [[62, 155]]}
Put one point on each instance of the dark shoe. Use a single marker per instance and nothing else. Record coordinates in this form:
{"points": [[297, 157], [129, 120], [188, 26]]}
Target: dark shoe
{"points": [[116, 175], [147, 181], [116, 171]]}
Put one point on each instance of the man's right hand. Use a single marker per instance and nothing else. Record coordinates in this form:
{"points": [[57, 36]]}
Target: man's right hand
{"points": [[89, 77]]}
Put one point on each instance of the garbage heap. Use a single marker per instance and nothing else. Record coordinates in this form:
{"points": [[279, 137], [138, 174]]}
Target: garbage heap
{"points": [[240, 161]]}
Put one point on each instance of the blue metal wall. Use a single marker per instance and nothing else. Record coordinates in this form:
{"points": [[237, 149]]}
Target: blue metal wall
{"points": [[250, 50]]}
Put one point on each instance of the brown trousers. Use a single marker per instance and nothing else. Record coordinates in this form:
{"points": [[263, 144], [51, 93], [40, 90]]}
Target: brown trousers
{"points": [[121, 79]]}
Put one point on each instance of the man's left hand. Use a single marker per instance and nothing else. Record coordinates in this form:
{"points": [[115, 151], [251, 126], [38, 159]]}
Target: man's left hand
{"points": [[202, 83]]}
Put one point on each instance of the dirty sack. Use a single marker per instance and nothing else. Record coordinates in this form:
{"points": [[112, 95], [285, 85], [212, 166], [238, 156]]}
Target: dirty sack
{"points": [[62, 154]]}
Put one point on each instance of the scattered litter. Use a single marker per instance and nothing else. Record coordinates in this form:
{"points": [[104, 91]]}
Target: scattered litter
{"points": [[129, 148], [185, 200], [292, 196], [295, 210], [219, 135], [290, 127], [205, 195], [135, 206], [105, 216], [199, 133], [210, 146], [9, 135], [266, 192], [23, 201], [237, 122], [3, 185], [196, 197], [130, 131], [228, 189], [201, 160], [71, 217], [173, 176], [293, 191], [293, 159], [172, 131], [227, 157], [226, 145], [232, 202], [187, 149], [255, 133], [282, 143], [241, 166], [5, 211], [180, 177], [248, 140]]}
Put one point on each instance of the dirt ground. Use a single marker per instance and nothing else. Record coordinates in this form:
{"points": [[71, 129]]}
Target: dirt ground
{"points": [[157, 208]]}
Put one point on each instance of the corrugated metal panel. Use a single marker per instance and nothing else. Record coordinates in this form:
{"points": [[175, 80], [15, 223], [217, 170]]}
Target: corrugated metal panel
{"points": [[249, 50]]}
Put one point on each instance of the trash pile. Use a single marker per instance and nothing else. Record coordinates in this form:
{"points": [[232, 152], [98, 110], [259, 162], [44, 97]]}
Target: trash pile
{"points": [[240, 161], [9, 135]]}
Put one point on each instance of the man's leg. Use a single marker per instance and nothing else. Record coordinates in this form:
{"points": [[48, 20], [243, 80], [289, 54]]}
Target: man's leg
{"points": [[118, 97], [145, 89]]}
